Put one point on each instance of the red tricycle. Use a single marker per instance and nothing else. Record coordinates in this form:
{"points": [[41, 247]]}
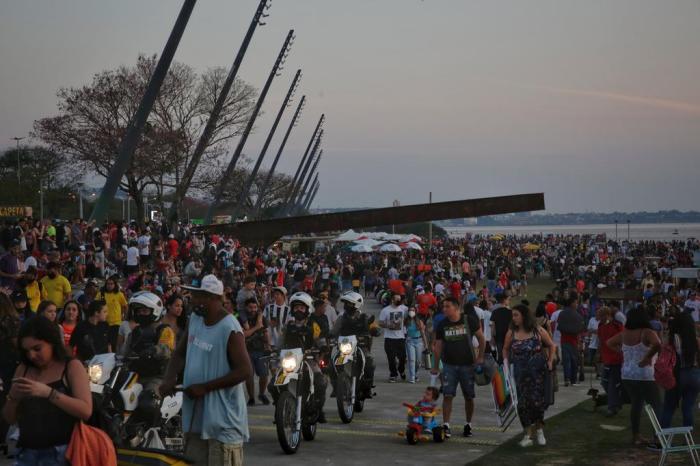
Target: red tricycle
{"points": [[422, 424]]}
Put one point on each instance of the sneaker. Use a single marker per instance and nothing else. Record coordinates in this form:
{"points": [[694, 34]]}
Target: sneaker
{"points": [[446, 430], [574, 384], [263, 399], [566, 384], [417, 379], [467, 430], [525, 442], [540, 438], [403, 376], [251, 402], [392, 379], [654, 446], [412, 381], [322, 418]]}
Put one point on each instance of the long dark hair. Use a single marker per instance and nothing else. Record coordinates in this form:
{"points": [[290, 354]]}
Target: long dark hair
{"points": [[114, 278], [529, 324], [683, 325], [637, 318], [41, 328], [62, 315], [6, 306]]}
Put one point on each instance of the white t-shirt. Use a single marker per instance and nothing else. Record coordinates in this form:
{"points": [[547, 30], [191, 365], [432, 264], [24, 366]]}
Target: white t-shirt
{"points": [[325, 273], [439, 288], [132, 256], [487, 323], [557, 334], [695, 306], [593, 327], [393, 317], [30, 262], [144, 244], [480, 313]]}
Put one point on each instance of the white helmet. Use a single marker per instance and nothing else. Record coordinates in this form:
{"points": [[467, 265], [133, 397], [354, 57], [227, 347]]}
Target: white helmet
{"points": [[354, 299], [149, 300], [303, 298]]}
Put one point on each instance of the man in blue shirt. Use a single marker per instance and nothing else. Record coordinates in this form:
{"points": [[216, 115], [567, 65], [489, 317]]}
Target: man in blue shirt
{"points": [[213, 354]]}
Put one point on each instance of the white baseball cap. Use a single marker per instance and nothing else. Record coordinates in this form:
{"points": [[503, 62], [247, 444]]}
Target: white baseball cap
{"points": [[210, 284]]}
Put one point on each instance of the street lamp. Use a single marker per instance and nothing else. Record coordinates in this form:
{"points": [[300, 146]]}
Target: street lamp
{"points": [[628, 231], [19, 177]]}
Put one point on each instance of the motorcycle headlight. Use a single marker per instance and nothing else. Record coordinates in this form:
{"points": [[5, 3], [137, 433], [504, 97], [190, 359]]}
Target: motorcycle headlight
{"points": [[345, 348], [289, 363], [95, 373]]}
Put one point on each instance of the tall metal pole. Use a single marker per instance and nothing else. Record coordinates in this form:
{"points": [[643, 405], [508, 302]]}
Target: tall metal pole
{"points": [[271, 171], [628, 231], [80, 196], [219, 104], [302, 177], [133, 131], [295, 180], [302, 191], [313, 196], [430, 224], [238, 206], [302, 204], [244, 137], [19, 167]]}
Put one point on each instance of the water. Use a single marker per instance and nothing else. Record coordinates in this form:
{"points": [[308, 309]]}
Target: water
{"points": [[637, 232]]}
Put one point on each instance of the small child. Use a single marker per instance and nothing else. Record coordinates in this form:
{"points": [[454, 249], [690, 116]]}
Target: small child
{"points": [[427, 405]]}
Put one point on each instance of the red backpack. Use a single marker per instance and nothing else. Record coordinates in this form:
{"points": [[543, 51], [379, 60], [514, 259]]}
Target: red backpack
{"points": [[663, 368]]}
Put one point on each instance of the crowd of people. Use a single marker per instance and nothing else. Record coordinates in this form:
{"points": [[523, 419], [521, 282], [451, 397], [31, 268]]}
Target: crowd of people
{"points": [[214, 309]]}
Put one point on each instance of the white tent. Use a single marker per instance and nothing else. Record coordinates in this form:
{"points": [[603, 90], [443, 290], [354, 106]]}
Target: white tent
{"points": [[391, 237], [411, 245], [390, 247], [361, 248], [368, 242], [411, 238], [349, 235]]}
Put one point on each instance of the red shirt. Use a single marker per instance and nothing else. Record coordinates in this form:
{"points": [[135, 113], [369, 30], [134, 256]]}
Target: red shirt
{"points": [[173, 247], [456, 290], [396, 286], [424, 302], [550, 308], [606, 332]]}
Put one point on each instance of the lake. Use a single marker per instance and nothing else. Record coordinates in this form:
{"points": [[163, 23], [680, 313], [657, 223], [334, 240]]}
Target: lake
{"points": [[637, 232]]}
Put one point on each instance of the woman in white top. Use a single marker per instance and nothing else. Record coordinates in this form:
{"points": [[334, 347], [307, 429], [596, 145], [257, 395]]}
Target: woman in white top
{"points": [[639, 344]]}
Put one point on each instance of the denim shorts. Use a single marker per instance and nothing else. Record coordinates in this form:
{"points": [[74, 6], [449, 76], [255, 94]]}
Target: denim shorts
{"points": [[52, 456], [259, 365], [462, 375]]}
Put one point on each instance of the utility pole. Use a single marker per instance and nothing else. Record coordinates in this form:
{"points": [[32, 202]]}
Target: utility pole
{"points": [[303, 191], [238, 207], [271, 171], [290, 205], [303, 161], [305, 201], [244, 137], [19, 168], [138, 121], [209, 128]]}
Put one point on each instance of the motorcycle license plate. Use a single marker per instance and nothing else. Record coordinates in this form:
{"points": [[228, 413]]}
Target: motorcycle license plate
{"points": [[341, 359], [94, 388], [280, 378], [174, 441]]}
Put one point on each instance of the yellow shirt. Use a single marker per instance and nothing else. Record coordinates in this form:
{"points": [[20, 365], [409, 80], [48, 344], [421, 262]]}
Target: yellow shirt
{"points": [[114, 301], [167, 338], [55, 289], [33, 295]]}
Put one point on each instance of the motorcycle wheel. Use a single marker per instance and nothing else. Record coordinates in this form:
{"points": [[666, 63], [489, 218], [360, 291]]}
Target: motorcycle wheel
{"points": [[285, 420], [308, 431], [438, 435], [343, 398], [359, 405], [411, 436]]}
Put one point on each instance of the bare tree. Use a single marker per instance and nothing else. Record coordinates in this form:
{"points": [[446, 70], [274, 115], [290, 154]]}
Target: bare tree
{"points": [[93, 119]]}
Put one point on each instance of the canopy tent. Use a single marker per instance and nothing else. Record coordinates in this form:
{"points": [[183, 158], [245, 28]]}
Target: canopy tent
{"points": [[531, 247], [349, 235], [411, 245], [361, 248], [496, 238], [369, 242], [688, 272], [411, 238], [390, 247]]}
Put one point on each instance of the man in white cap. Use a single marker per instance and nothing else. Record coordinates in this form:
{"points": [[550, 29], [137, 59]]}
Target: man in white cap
{"points": [[215, 361]]}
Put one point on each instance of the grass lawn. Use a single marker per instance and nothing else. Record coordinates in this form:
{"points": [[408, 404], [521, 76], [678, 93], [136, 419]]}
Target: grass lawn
{"points": [[580, 436]]}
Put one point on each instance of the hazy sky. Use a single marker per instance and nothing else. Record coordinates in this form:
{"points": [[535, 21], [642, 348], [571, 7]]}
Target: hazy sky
{"points": [[595, 102]]}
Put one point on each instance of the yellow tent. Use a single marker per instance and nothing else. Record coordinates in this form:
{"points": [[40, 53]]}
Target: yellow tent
{"points": [[497, 238], [531, 247]]}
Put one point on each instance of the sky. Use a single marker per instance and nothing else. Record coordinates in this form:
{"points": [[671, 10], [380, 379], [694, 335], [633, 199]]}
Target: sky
{"points": [[596, 103]]}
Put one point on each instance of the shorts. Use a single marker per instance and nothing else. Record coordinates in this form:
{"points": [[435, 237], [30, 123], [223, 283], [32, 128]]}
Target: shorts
{"points": [[462, 375], [212, 451], [259, 366]]}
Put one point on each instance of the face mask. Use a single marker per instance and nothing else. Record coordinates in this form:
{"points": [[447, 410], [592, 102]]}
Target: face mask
{"points": [[411, 314], [52, 274], [397, 301], [200, 310], [299, 315], [350, 310], [143, 320]]}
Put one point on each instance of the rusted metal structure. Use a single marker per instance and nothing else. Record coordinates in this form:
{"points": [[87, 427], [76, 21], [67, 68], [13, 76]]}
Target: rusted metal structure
{"points": [[267, 231]]}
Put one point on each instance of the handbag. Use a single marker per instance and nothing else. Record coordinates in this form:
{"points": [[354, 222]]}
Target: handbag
{"points": [[483, 373]]}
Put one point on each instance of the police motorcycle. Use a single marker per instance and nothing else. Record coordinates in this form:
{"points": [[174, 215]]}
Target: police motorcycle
{"points": [[297, 410], [126, 405], [353, 373]]}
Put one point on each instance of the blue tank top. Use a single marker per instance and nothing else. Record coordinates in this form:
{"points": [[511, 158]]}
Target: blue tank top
{"points": [[221, 414], [412, 330]]}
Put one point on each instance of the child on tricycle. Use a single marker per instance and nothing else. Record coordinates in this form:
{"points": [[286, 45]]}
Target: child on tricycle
{"points": [[421, 418]]}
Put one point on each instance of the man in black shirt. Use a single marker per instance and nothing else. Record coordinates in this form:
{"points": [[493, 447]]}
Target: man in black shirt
{"points": [[501, 317], [454, 346]]}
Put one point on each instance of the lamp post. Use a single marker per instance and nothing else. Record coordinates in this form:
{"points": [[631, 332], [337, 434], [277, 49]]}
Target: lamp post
{"points": [[19, 169], [616, 231], [628, 230]]}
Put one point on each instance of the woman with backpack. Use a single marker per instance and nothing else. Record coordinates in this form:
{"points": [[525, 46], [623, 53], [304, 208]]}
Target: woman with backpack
{"points": [[639, 344], [685, 343]]}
